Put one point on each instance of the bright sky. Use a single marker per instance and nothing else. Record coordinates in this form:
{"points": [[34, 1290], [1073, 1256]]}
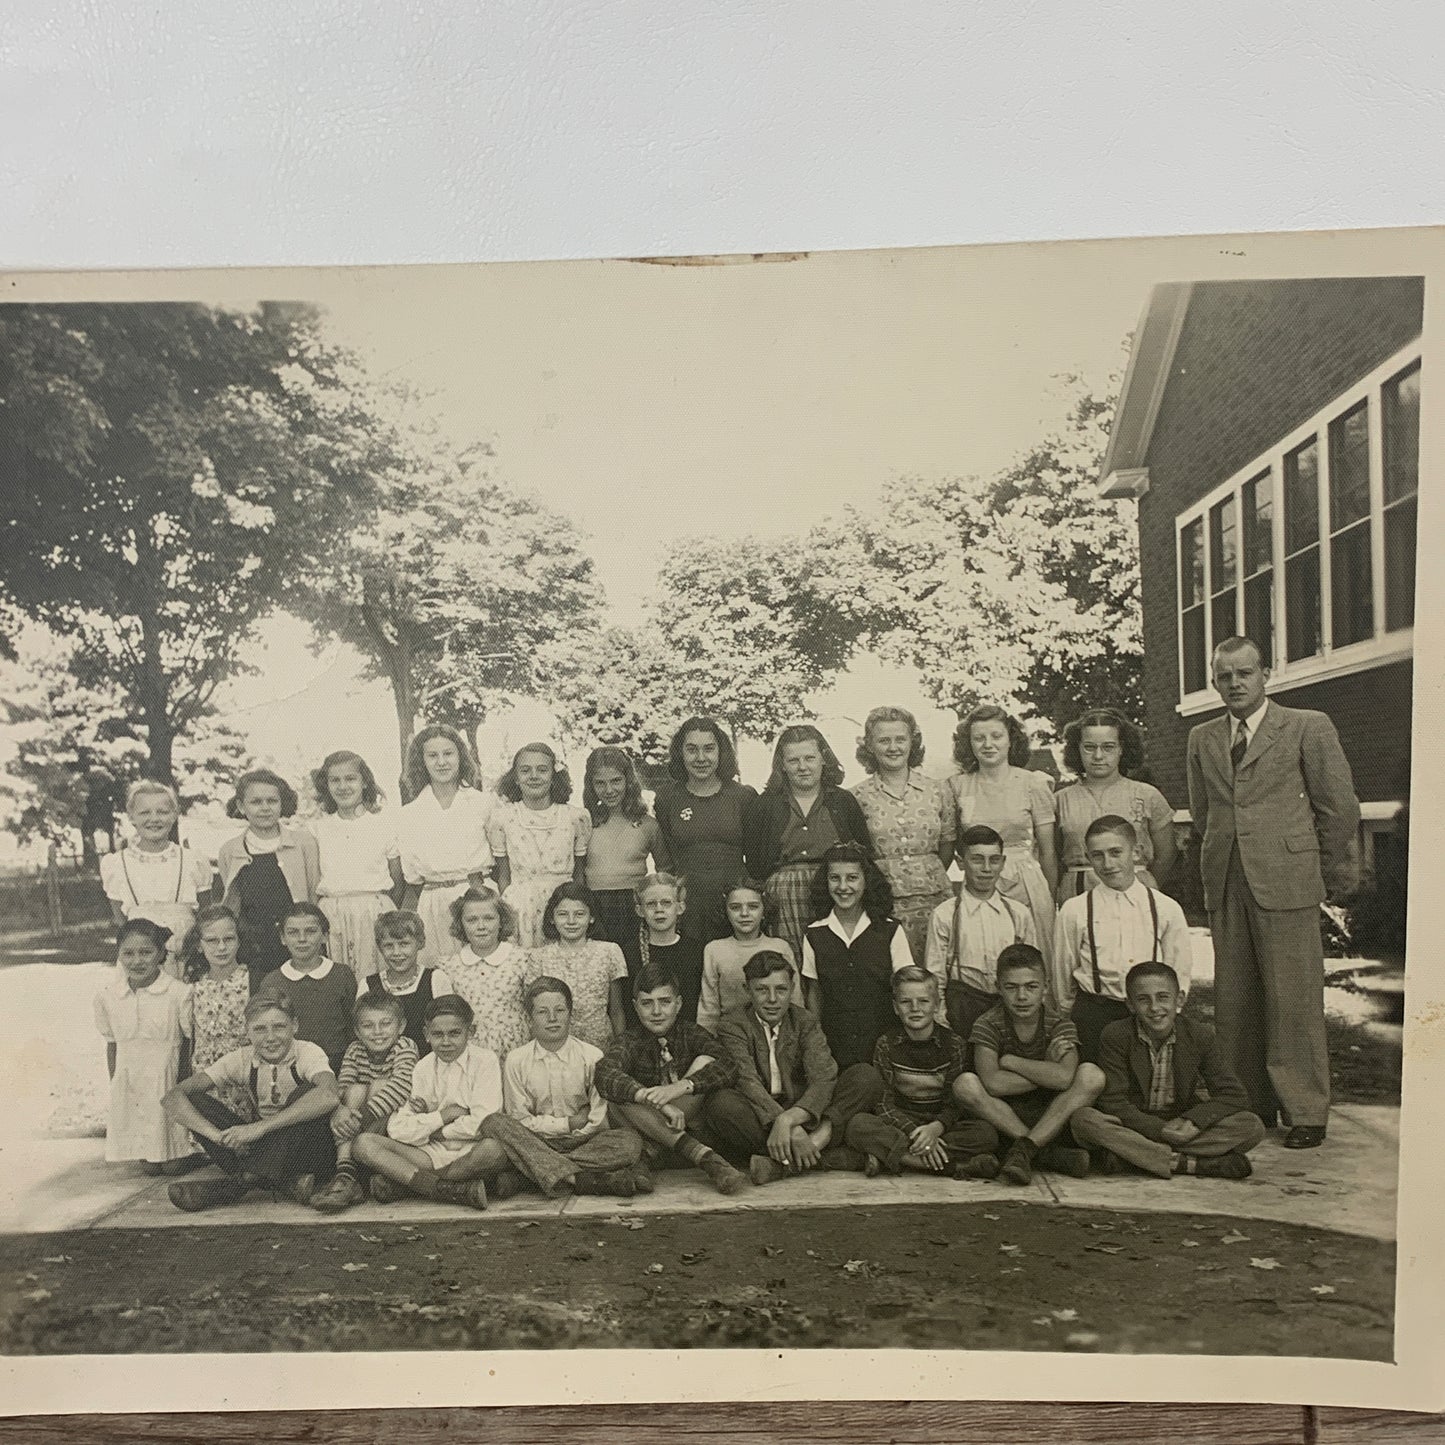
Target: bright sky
{"points": [[652, 402]]}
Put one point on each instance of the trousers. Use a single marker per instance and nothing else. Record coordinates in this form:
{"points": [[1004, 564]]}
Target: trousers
{"points": [[278, 1158], [888, 1144], [1090, 1015], [740, 1133], [552, 1167], [1095, 1130], [1269, 1003]]}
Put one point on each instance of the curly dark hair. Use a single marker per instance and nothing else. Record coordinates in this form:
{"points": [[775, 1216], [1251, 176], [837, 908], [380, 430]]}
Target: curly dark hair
{"points": [[370, 793], [883, 715], [877, 891], [803, 733], [511, 789], [727, 757], [1131, 740], [263, 777], [572, 892], [1020, 749], [156, 934], [414, 772], [193, 960], [633, 806]]}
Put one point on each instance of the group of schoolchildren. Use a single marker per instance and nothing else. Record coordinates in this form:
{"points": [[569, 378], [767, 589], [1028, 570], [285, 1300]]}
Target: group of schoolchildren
{"points": [[532, 1017]]}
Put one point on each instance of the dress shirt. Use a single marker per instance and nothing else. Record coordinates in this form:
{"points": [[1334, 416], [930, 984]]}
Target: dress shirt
{"points": [[967, 934], [543, 1088], [898, 949], [1124, 931], [1161, 1063], [473, 1080]]}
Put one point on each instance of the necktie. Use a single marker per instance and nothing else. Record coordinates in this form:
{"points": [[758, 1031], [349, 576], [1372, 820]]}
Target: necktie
{"points": [[775, 1074], [1241, 745], [666, 1064]]}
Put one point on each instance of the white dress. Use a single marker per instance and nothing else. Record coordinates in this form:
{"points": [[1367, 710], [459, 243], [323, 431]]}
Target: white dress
{"points": [[440, 849], [354, 890], [163, 887], [146, 1026]]}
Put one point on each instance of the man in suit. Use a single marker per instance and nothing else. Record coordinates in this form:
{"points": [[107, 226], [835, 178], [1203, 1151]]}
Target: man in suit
{"points": [[1170, 1103], [789, 1103], [1272, 798]]}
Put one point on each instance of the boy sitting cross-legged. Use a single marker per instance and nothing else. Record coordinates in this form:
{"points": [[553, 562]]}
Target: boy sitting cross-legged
{"points": [[918, 1124], [1027, 1078], [293, 1091], [452, 1134], [789, 1109], [1170, 1103], [658, 1074], [550, 1087], [374, 1082]]}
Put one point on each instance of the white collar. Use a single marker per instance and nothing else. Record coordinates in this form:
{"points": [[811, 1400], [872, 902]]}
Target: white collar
{"points": [[540, 1052], [836, 927], [290, 970], [1252, 722], [165, 855], [973, 902], [1136, 895], [159, 984]]}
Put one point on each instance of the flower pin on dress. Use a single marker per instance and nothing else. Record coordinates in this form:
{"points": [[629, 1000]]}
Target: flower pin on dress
{"points": [[686, 815]]}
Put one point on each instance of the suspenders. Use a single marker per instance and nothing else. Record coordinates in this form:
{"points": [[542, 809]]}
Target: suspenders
{"points": [[952, 966], [255, 1071], [180, 874], [1093, 944]]}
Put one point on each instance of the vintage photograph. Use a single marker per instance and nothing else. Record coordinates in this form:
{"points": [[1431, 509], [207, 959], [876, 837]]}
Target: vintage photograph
{"points": [[835, 801]]}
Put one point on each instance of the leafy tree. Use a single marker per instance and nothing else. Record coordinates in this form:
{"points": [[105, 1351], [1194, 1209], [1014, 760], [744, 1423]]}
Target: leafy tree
{"points": [[165, 471], [74, 750], [753, 625], [1021, 589], [451, 586]]}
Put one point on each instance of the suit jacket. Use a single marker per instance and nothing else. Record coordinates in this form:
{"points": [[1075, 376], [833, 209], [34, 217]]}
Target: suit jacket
{"points": [[1198, 1061], [767, 817], [804, 1060], [1291, 808]]}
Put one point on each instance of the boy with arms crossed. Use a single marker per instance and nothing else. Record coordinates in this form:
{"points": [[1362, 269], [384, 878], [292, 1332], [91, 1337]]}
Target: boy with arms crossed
{"points": [[1102, 933], [919, 1124], [1171, 1104], [790, 1104], [549, 1087], [658, 1074], [1027, 1077]]}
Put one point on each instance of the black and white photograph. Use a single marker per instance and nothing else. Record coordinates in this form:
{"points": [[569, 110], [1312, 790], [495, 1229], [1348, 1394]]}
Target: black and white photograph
{"points": [[829, 801]]}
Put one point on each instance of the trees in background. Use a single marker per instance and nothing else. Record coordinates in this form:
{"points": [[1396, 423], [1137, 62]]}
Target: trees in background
{"points": [[450, 584], [166, 471]]}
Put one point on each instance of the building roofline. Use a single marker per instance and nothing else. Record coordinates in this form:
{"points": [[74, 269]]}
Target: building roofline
{"points": [[1124, 472]]}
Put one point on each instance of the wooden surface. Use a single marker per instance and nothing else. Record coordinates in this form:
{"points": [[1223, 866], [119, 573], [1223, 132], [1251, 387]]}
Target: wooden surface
{"points": [[798, 1424]]}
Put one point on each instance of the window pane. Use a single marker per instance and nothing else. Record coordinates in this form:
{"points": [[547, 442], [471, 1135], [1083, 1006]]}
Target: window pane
{"points": [[1222, 557], [1259, 612], [1303, 626], [1349, 467], [1196, 664], [1222, 617], [1352, 604], [1301, 497], [1191, 563], [1258, 523], [1400, 565], [1402, 434]]}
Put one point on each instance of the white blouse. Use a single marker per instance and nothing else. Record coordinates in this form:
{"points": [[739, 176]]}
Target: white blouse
{"points": [[444, 844], [355, 852]]}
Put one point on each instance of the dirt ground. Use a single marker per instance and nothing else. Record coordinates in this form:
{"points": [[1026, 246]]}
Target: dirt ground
{"points": [[1007, 1277]]}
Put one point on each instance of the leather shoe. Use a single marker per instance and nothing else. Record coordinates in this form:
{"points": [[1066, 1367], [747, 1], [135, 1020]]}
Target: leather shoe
{"points": [[1305, 1136]]}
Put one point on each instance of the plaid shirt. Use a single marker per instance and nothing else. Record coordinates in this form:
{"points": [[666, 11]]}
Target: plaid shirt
{"points": [[1161, 1082], [638, 1061]]}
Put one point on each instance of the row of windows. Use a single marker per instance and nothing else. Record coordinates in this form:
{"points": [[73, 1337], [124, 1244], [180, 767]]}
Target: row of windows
{"points": [[1312, 549]]}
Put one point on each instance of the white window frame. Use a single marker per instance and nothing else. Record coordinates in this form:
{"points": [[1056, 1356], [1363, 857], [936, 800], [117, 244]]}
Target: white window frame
{"points": [[1331, 661]]}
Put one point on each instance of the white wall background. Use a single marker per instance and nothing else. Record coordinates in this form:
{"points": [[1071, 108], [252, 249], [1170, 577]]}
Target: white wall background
{"points": [[298, 132]]}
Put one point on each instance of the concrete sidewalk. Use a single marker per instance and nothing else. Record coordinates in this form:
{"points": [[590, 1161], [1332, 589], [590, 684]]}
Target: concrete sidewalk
{"points": [[1349, 1186]]}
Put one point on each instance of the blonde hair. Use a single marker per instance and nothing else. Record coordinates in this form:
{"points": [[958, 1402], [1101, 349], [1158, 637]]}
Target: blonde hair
{"points": [[143, 787], [678, 884]]}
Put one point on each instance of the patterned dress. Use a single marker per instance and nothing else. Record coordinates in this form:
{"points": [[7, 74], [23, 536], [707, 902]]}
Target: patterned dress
{"points": [[493, 986], [220, 1019], [1021, 803], [588, 969], [908, 830], [541, 846]]}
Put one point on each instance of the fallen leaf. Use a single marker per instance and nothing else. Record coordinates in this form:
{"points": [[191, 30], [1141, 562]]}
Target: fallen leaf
{"points": [[352, 1268], [654, 1269], [1106, 1248], [433, 1256], [38, 1296], [627, 1223], [370, 1238], [129, 1314], [1108, 1227], [857, 1266], [1044, 1320], [1268, 1262], [812, 1254], [694, 1256], [1322, 1289], [391, 1269], [771, 1249], [1234, 1237], [527, 1224], [1065, 1315], [1189, 1243], [994, 1217], [1008, 1249], [55, 1259]]}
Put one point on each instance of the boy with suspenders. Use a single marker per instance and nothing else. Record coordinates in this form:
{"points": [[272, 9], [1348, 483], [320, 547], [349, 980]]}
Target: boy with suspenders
{"points": [[1101, 934]]}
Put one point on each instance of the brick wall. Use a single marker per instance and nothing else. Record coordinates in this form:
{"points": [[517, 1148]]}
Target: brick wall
{"points": [[1255, 360]]}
